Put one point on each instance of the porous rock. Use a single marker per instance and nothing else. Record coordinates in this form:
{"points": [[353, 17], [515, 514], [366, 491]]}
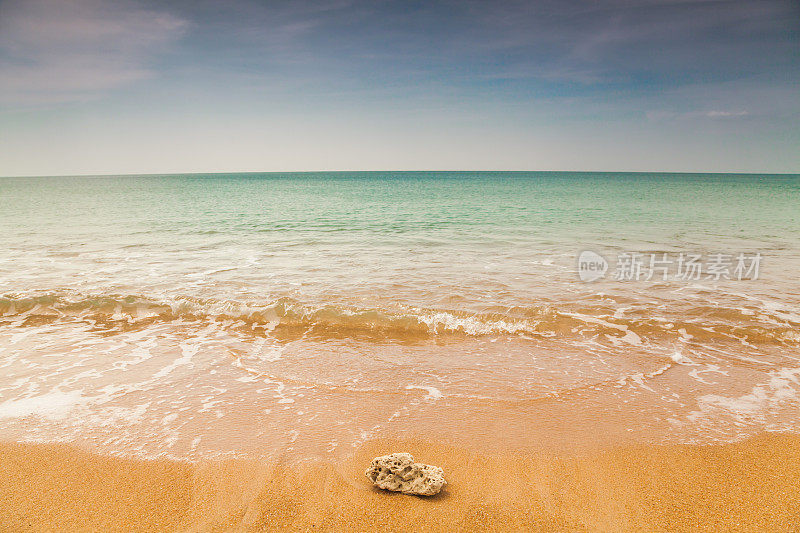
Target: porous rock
{"points": [[400, 473]]}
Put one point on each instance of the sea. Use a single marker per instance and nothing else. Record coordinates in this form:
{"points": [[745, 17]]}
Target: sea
{"points": [[303, 314]]}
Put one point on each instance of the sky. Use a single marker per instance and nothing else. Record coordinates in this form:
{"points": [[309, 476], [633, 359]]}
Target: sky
{"points": [[127, 86]]}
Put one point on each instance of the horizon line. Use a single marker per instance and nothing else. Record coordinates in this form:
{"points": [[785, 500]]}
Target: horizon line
{"points": [[439, 171]]}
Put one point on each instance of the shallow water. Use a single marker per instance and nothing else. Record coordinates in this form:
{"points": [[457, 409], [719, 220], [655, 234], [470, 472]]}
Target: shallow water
{"points": [[199, 315]]}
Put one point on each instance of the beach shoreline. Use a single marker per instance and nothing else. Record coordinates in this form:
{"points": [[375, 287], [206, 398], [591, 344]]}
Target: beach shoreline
{"points": [[747, 485]]}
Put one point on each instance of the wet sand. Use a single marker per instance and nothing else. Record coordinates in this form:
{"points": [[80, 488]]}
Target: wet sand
{"points": [[746, 486]]}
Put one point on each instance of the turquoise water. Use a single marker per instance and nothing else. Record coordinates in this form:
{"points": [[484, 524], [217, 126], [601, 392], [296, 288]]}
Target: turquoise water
{"points": [[325, 285], [410, 236]]}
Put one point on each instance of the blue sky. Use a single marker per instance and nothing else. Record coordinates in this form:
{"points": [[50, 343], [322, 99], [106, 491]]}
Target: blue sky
{"points": [[102, 86]]}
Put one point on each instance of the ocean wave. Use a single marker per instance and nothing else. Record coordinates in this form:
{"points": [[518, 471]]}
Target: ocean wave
{"points": [[288, 318]]}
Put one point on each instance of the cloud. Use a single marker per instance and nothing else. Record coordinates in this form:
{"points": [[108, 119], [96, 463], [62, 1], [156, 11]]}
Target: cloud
{"points": [[657, 116], [725, 114], [665, 42], [55, 51]]}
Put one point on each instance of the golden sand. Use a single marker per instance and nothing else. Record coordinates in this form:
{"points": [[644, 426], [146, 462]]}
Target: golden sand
{"points": [[747, 486]]}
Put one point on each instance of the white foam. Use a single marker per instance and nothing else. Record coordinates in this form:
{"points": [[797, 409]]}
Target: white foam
{"points": [[632, 338], [710, 369], [678, 357], [188, 351], [639, 380], [16, 337], [433, 392], [758, 401], [595, 320], [55, 405], [472, 325], [271, 353]]}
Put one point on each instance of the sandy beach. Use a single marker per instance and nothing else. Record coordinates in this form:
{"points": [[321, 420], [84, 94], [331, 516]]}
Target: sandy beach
{"points": [[745, 486], [252, 249]]}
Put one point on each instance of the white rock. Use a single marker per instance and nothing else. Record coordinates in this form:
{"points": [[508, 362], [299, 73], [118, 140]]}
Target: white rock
{"points": [[399, 472]]}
